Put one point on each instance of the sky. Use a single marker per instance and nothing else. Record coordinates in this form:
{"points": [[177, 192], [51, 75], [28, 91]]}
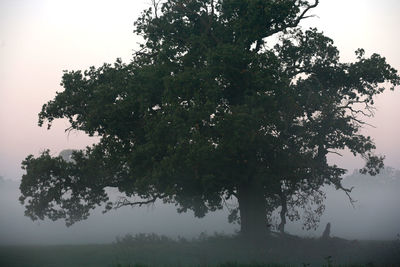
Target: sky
{"points": [[41, 38]]}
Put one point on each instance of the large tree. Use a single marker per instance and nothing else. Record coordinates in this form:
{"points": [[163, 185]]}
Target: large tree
{"points": [[225, 98]]}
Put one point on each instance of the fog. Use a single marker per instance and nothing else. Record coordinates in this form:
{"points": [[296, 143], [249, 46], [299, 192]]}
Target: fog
{"points": [[159, 218], [375, 216]]}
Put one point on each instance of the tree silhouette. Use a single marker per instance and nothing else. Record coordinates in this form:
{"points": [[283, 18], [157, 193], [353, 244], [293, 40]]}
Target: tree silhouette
{"points": [[225, 98]]}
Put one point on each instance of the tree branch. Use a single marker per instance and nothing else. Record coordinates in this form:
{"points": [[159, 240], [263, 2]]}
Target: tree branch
{"points": [[123, 201], [347, 191], [334, 152], [155, 4], [297, 21]]}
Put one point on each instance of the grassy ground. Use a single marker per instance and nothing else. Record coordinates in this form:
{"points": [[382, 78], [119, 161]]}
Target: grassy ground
{"points": [[153, 250]]}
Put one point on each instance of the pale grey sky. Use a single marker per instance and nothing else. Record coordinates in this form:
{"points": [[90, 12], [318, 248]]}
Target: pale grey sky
{"points": [[41, 38]]}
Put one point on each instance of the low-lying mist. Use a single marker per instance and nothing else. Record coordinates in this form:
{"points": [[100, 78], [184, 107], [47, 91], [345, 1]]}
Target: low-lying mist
{"points": [[374, 216], [15, 228]]}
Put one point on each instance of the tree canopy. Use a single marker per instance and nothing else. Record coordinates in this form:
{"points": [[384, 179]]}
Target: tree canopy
{"points": [[225, 98]]}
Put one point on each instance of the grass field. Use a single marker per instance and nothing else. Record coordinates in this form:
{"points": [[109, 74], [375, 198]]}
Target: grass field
{"points": [[154, 250]]}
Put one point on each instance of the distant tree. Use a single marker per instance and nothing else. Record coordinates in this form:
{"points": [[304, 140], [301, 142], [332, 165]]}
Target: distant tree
{"points": [[66, 154], [225, 98]]}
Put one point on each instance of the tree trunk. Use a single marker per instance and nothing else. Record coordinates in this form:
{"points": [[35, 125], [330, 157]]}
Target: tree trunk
{"points": [[253, 212]]}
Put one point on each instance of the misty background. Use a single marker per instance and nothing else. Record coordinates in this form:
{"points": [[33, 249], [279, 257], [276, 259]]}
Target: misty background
{"points": [[374, 216], [41, 38]]}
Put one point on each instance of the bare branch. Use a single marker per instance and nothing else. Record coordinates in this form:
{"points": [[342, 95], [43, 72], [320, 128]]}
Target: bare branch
{"points": [[297, 21], [334, 152], [360, 122], [155, 4], [370, 109], [347, 191], [303, 14], [123, 201]]}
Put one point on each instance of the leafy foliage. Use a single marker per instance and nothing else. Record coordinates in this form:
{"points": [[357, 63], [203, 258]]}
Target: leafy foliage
{"points": [[211, 108]]}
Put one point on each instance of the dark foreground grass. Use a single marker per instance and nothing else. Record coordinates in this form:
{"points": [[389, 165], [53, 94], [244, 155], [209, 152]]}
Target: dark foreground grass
{"points": [[153, 250]]}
